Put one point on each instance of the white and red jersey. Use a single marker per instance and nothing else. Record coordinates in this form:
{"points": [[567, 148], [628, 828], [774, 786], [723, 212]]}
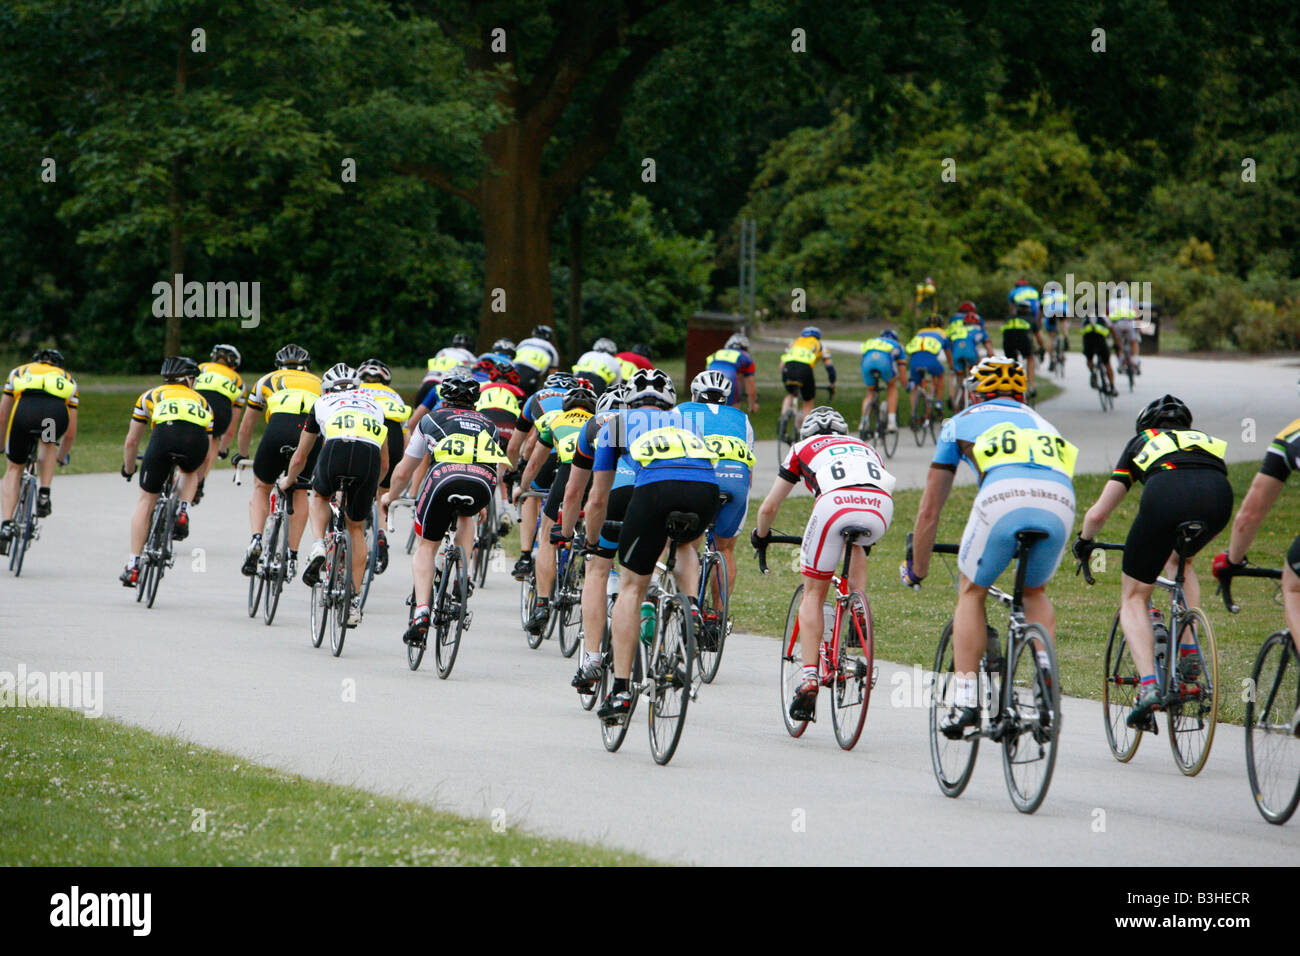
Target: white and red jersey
{"points": [[826, 463]]}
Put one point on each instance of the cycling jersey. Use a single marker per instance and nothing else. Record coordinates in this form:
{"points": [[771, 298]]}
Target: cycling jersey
{"points": [[450, 358], [443, 423], [172, 403], [1095, 325], [536, 354], [826, 463], [885, 346], [501, 402], [220, 380], [1024, 295], [395, 410], [1283, 455], [559, 430], [353, 414], [729, 435], [584, 453], [629, 362], [542, 401], [1004, 436], [42, 377], [880, 357], [289, 391], [806, 350], [659, 444], [1167, 449], [1054, 305], [733, 363], [599, 368]]}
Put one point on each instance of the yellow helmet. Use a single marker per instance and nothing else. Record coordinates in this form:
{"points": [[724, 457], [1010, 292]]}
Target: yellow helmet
{"points": [[994, 375]]}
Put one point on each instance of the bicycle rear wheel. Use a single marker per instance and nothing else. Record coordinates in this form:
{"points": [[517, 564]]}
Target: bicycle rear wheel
{"points": [[670, 677], [1193, 716], [791, 665], [936, 420], [453, 603], [952, 760], [612, 735], [528, 601], [415, 652], [918, 415], [1272, 750], [568, 604], [340, 592], [1120, 684], [158, 549], [257, 580], [715, 619], [22, 525], [277, 568], [854, 672], [1030, 743]]}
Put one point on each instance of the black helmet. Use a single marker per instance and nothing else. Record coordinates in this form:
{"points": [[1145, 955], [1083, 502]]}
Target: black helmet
{"points": [[50, 357], [581, 395], [178, 367], [504, 346], [462, 341], [229, 352], [642, 350], [374, 370], [544, 332], [459, 389], [294, 355], [1165, 412]]}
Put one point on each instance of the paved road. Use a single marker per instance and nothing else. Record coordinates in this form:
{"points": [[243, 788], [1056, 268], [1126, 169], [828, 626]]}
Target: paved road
{"points": [[505, 732]]}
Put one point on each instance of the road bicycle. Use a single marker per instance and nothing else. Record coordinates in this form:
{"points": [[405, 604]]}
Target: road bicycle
{"points": [[786, 432], [1124, 362], [714, 603], [448, 601], [566, 596], [157, 556], [1272, 709], [1098, 381], [1059, 346], [846, 662], [874, 429], [528, 586], [371, 533], [1020, 698], [1187, 688], [267, 581], [331, 595], [26, 526], [927, 411]]}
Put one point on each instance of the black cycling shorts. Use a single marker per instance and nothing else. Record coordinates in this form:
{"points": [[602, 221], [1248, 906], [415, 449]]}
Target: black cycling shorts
{"points": [[284, 428], [545, 475], [1096, 346], [798, 380], [1169, 499], [607, 545], [32, 415], [396, 449], [555, 497], [434, 513], [645, 530], [348, 458], [182, 443], [1293, 555], [1018, 343], [222, 411]]}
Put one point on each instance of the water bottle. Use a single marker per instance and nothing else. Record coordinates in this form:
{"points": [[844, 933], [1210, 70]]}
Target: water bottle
{"points": [[611, 584], [1162, 642], [647, 623]]}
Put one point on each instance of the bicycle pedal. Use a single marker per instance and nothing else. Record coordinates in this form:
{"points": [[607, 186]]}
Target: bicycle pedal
{"points": [[469, 618], [875, 675]]}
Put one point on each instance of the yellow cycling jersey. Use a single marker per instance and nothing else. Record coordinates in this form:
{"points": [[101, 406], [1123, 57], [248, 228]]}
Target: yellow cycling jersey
{"points": [[222, 380], [172, 403], [498, 398], [1016, 322], [42, 377], [670, 444], [1093, 326], [958, 331], [356, 425], [480, 449], [806, 350], [555, 429], [628, 369], [289, 391], [1007, 444], [592, 369], [534, 358], [395, 410], [930, 340]]}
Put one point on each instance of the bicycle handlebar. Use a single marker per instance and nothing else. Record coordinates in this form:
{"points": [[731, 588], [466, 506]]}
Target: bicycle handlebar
{"points": [[1225, 582], [1096, 546], [936, 549], [402, 502], [761, 551]]}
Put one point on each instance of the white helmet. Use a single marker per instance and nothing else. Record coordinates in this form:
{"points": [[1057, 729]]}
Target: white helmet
{"points": [[339, 377], [738, 341], [612, 400], [823, 420], [711, 386], [651, 386], [604, 345]]}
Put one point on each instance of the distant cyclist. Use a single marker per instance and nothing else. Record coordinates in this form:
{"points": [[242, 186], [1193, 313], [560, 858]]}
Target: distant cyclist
{"points": [[884, 360], [925, 300], [1055, 308], [797, 363], [221, 386], [1184, 479], [377, 378], [599, 366], [1025, 472], [39, 413], [638, 356], [734, 361], [457, 355], [1123, 321], [536, 357], [926, 351], [1096, 347], [853, 491], [965, 337], [1020, 331]]}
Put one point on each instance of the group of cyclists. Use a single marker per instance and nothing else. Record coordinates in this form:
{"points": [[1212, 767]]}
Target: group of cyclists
{"points": [[608, 441]]}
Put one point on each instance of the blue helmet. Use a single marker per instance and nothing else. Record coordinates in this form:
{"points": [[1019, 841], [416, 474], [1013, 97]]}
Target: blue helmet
{"points": [[811, 330], [889, 334]]}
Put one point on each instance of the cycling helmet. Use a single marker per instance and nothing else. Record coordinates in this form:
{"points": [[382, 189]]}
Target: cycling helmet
{"points": [[823, 420], [1165, 412], [604, 345], [504, 346], [462, 341], [1021, 282], [967, 306], [503, 371], [294, 355], [889, 334], [339, 378], [934, 321], [971, 318], [651, 386], [560, 380], [642, 350], [544, 332], [50, 357], [230, 353], [995, 376], [810, 330], [738, 341], [178, 367], [373, 370], [459, 388], [711, 387], [580, 396], [612, 400]]}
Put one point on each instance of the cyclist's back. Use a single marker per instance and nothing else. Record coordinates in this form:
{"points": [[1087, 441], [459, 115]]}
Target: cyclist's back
{"points": [[728, 433], [925, 351]]}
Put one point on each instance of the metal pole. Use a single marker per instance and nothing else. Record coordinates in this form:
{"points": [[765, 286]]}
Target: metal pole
{"points": [[744, 260]]}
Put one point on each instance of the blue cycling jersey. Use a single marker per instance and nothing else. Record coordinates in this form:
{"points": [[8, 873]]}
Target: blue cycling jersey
{"points": [[648, 437], [710, 420], [958, 435]]}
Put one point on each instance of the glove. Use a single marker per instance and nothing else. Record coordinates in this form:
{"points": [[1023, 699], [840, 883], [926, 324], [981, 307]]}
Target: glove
{"points": [[757, 541], [128, 475], [236, 458], [1082, 548], [1222, 564], [224, 453], [557, 537], [908, 576]]}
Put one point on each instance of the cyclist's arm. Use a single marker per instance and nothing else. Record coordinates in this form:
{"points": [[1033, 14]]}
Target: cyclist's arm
{"points": [[751, 389], [1264, 490], [1111, 495], [223, 441], [299, 460], [383, 457], [69, 436], [401, 475], [132, 444], [246, 425], [767, 510], [535, 462], [6, 407], [938, 485]]}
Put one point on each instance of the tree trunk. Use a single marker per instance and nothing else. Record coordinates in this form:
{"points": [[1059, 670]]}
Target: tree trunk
{"points": [[175, 213], [575, 284]]}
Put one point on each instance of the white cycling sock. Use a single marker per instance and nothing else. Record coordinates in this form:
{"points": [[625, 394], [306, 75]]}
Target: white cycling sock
{"points": [[966, 688], [591, 657]]}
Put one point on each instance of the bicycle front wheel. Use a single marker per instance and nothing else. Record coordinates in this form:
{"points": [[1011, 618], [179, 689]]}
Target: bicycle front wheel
{"points": [[1272, 750], [1119, 691], [1193, 714], [670, 677], [854, 672], [715, 620], [277, 569], [952, 760], [568, 604], [22, 525], [1033, 696], [453, 602], [415, 652], [791, 665], [340, 593]]}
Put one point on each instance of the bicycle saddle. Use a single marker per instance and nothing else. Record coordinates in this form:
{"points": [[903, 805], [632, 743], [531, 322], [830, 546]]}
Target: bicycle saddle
{"points": [[1029, 537], [1188, 532], [724, 497], [683, 525], [464, 504]]}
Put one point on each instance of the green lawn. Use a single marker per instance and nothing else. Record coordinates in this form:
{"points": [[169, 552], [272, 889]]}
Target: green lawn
{"points": [[83, 792]]}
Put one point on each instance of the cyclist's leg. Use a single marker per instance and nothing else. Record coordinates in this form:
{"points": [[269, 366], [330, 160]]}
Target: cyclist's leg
{"points": [[47, 462], [358, 548], [140, 520], [687, 567], [9, 491], [528, 524], [1136, 623], [466, 529], [969, 627], [626, 620], [594, 585], [811, 618], [891, 400], [545, 559]]}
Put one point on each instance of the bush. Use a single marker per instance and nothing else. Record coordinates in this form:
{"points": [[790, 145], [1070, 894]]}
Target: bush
{"points": [[1208, 320], [1264, 327]]}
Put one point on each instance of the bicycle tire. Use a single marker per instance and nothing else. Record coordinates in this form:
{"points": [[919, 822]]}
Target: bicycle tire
{"points": [[714, 615], [671, 662], [888, 439], [917, 422], [613, 735], [257, 580], [370, 534], [160, 551], [1195, 724], [791, 666], [451, 615], [588, 701], [936, 420], [1041, 691], [529, 602], [851, 693], [318, 621], [1272, 750], [23, 521], [278, 569], [340, 592], [568, 608], [953, 761], [415, 652], [1120, 684]]}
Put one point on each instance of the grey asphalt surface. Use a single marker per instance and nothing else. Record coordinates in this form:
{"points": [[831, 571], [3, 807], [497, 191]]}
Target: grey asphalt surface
{"points": [[505, 731]]}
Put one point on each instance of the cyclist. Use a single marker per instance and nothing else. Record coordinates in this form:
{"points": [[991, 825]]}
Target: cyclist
{"points": [[286, 397], [673, 472], [1184, 479], [730, 436], [377, 378], [550, 397], [1096, 347], [457, 355], [1019, 333], [355, 448], [637, 357], [1025, 473], [180, 424], [36, 394], [853, 490], [883, 359], [924, 302], [536, 357], [968, 307], [734, 361], [557, 439], [1123, 321], [1056, 317], [462, 452], [599, 367], [797, 363], [504, 349], [966, 335], [220, 385], [925, 357], [500, 398]]}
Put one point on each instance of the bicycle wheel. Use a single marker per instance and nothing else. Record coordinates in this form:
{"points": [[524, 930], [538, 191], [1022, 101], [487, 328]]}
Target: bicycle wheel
{"points": [[1120, 684], [371, 534], [1272, 750], [1030, 741], [1128, 370], [568, 605], [791, 665], [854, 672], [453, 605], [671, 662], [257, 580], [612, 735], [160, 550], [953, 760], [918, 415], [528, 601], [867, 427], [340, 592], [277, 568], [1195, 712], [936, 420], [715, 620], [23, 524], [588, 701], [319, 621], [415, 652]]}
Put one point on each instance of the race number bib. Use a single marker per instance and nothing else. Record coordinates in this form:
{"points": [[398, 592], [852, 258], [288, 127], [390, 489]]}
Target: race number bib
{"points": [[566, 447], [730, 448], [1010, 445], [293, 401], [52, 383], [533, 358], [182, 410], [480, 449], [924, 343], [850, 465], [669, 444], [214, 382], [357, 426], [1168, 442], [877, 345], [801, 354]]}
